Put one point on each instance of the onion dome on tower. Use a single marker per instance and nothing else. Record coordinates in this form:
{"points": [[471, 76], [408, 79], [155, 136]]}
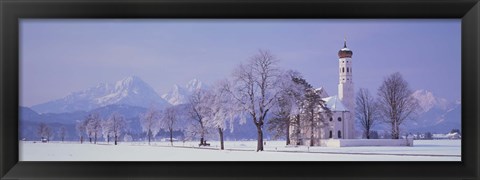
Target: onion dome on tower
{"points": [[345, 52]]}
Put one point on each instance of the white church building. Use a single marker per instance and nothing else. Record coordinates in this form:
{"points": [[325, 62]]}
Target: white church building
{"points": [[339, 130]]}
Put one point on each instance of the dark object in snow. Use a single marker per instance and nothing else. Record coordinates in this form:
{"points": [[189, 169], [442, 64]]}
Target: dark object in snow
{"points": [[44, 140], [204, 143]]}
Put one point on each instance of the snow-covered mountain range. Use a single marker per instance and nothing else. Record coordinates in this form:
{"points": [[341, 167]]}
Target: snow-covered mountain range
{"points": [[427, 101], [437, 115], [179, 94], [129, 91]]}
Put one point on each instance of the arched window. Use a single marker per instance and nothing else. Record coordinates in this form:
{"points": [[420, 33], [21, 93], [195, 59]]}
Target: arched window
{"points": [[347, 69], [339, 134], [331, 118], [343, 69], [331, 135], [339, 119]]}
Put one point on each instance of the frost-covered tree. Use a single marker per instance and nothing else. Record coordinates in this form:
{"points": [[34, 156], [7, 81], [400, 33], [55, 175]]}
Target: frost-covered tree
{"points": [[287, 105], [94, 126], [396, 103], [366, 110], [81, 129], [118, 125], [106, 130], [221, 112], [198, 108], [169, 121], [44, 131], [255, 89], [150, 122], [314, 113], [62, 133]]}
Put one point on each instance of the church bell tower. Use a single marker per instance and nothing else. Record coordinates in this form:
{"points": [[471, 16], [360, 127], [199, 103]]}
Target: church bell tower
{"points": [[346, 92]]}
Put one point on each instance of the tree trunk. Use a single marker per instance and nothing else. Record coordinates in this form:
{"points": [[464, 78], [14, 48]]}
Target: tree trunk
{"points": [[116, 139], [311, 136], [395, 130], [95, 142], [90, 138], [368, 133], [149, 134], [220, 132], [81, 139], [311, 129], [259, 138], [288, 133], [171, 137], [108, 139]]}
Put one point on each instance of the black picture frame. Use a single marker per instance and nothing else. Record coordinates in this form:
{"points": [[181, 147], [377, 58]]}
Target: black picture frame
{"points": [[13, 10]]}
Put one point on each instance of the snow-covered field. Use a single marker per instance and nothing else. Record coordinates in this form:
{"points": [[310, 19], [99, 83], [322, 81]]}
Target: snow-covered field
{"points": [[423, 150]]}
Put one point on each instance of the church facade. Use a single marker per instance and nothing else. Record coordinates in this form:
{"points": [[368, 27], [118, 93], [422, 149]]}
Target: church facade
{"points": [[340, 125]]}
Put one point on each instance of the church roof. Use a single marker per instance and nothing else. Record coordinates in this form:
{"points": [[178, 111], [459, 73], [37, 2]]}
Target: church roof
{"points": [[345, 52], [334, 103]]}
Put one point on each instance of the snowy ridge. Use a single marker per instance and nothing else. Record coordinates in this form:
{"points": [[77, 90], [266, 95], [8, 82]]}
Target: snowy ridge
{"points": [[438, 115], [427, 100], [130, 91], [179, 95]]}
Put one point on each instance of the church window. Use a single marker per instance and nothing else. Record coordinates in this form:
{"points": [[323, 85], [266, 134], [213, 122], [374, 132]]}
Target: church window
{"points": [[343, 69], [331, 118], [339, 119], [331, 135], [347, 69], [339, 134]]}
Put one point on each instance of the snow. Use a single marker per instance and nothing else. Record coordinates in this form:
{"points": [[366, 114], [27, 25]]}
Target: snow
{"points": [[427, 100], [334, 103], [423, 150], [130, 91], [180, 94]]}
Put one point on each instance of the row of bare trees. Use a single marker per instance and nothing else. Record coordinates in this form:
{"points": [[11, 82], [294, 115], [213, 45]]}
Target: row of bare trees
{"points": [[93, 126], [393, 105], [45, 132], [154, 120]]}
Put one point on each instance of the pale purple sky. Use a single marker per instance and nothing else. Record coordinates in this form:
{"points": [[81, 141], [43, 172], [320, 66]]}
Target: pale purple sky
{"points": [[58, 57]]}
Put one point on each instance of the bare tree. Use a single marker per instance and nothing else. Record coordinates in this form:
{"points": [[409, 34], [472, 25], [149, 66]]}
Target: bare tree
{"points": [[255, 89], [198, 108], [150, 122], [314, 113], [366, 110], [396, 103], [62, 133], [44, 131], [287, 105], [80, 127], [118, 125], [106, 130], [221, 111], [169, 121], [94, 126]]}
